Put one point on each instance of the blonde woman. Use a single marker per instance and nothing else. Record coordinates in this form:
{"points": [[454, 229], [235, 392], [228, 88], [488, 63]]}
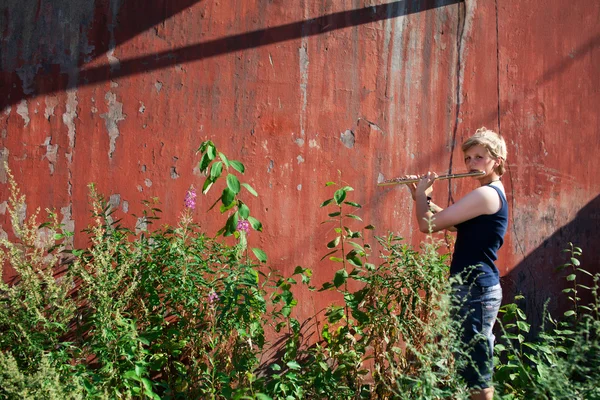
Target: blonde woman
{"points": [[480, 219]]}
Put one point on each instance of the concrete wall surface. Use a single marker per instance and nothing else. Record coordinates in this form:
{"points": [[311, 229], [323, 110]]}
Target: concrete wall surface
{"points": [[122, 92]]}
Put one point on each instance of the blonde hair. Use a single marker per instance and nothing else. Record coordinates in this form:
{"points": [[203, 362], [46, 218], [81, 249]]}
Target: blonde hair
{"points": [[493, 142]]}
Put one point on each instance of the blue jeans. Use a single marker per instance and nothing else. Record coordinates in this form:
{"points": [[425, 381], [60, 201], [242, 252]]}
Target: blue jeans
{"points": [[478, 311]]}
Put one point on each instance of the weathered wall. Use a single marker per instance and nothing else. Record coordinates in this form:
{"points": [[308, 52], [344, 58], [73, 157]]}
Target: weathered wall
{"points": [[121, 93]]}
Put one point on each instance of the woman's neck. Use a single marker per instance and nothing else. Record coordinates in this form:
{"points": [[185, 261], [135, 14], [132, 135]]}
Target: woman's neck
{"points": [[486, 180]]}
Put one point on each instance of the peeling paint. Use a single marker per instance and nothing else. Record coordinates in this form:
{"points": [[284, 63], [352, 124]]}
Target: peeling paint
{"points": [[51, 103], [23, 111], [174, 174], [3, 207], [299, 142], [3, 160], [299, 187], [70, 114], [158, 85], [142, 108], [270, 167], [147, 182], [114, 200], [51, 153], [300, 159], [67, 220], [125, 206], [111, 120], [347, 138]]}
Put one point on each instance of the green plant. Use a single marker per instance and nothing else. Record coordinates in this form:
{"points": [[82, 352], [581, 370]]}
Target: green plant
{"points": [[562, 361]]}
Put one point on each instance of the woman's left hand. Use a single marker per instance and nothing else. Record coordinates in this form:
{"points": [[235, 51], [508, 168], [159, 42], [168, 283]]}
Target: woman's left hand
{"points": [[426, 182]]}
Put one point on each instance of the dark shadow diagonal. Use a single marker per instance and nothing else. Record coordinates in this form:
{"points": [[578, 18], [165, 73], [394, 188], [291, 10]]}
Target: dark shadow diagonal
{"points": [[259, 38]]}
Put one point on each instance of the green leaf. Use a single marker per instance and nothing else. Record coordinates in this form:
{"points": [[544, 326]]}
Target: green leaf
{"points": [[334, 242], [370, 227], [350, 203], [233, 183], [211, 151], [334, 314], [575, 261], [227, 197], [524, 326], [243, 210], [231, 224], [204, 163], [328, 254], [353, 258], [238, 166], [571, 277], [260, 255], [334, 214], [339, 196], [256, 225], [354, 217], [326, 203], [224, 159], [250, 189], [293, 365], [203, 146], [208, 182], [330, 183], [215, 170], [340, 277], [569, 313], [336, 259]]}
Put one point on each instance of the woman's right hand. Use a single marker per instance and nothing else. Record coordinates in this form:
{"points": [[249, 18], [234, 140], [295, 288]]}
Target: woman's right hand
{"points": [[412, 186]]}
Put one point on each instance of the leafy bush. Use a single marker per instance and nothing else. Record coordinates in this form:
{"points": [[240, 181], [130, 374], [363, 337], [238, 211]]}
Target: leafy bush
{"points": [[172, 313]]}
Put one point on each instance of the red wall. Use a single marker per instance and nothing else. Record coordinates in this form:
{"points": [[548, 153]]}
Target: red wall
{"points": [[121, 93]]}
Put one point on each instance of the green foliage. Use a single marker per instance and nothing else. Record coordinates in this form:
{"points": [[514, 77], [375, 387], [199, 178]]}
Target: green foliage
{"points": [[172, 313], [563, 360]]}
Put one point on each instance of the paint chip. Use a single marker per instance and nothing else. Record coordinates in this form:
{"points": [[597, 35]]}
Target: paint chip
{"points": [[347, 138], [158, 85], [23, 111], [174, 174], [147, 182], [299, 187], [300, 159]]}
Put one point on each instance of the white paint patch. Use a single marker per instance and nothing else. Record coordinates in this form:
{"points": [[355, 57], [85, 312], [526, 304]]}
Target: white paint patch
{"points": [[3, 160], [51, 153], [300, 159], [299, 187], [125, 206], [312, 143], [299, 142], [140, 188], [67, 220], [114, 84], [158, 85], [6, 111], [70, 114], [264, 145], [111, 120], [23, 111], [142, 108], [3, 207], [51, 103], [303, 59], [147, 182]]}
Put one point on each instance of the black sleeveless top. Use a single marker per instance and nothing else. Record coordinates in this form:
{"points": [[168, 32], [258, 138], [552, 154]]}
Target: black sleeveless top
{"points": [[477, 244]]}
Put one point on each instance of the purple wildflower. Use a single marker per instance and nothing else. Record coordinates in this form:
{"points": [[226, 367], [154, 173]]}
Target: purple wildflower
{"points": [[213, 297], [190, 198], [244, 226]]}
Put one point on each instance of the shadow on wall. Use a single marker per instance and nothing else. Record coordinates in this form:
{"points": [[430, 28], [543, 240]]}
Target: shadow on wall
{"points": [[47, 43], [536, 276]]}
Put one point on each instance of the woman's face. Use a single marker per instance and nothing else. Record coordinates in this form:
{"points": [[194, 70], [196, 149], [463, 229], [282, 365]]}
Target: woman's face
{"points": [[478, 158]]}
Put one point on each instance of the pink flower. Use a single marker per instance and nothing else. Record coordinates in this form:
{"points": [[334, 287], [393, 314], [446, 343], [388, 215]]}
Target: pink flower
{"points": [[213, 297], [190, 198], [244, 226]]}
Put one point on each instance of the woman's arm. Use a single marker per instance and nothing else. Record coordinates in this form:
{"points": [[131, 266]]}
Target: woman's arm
{"points": [[483, 200], [434, 208]]}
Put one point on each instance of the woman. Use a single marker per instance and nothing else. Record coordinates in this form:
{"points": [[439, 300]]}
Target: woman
{"points": [[481, 219]]}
